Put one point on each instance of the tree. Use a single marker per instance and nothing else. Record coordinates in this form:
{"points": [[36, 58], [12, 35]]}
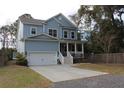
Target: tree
{"points": [[4, 32], [8, 35], [13, 33], [108, 26]]}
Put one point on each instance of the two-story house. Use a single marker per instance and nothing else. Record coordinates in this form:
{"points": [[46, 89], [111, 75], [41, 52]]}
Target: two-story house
{"points": [[46, 42]]}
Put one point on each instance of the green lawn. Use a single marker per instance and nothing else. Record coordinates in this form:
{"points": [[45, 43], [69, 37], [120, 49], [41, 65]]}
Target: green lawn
{"points": [[20, 76], [109, 68]]}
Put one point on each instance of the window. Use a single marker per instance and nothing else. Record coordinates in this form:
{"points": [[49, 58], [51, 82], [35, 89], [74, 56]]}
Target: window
{"points": [[65, 34], [33, 30], [72, 35], [53, 32], [50, 32]]}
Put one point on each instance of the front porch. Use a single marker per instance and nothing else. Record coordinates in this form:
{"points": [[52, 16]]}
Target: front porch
{"points": [[71, 51], [75, 49]]}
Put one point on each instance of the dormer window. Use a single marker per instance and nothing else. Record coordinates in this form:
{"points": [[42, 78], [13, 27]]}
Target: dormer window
{"points": [[72, 35], [53, 32], [33, 31]]}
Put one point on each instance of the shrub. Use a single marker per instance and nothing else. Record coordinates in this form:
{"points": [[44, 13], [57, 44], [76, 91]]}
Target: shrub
{"points": [[9, 53], [21, 59]]}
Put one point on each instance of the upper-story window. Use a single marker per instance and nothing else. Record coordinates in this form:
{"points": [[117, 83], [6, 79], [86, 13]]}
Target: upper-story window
{"points": [[53, 32], [33, 31], [65, 34], [72, 35]]}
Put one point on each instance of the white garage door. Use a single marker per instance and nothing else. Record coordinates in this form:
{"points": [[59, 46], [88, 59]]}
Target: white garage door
{"points": [[42, 58]]}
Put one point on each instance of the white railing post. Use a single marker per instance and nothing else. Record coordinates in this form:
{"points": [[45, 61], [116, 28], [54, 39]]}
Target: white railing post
{"points": [[67, 48], [83, 50], [75, 50]]}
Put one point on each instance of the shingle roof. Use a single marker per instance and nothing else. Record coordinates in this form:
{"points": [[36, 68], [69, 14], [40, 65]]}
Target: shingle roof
{"points": [[31, 21]]}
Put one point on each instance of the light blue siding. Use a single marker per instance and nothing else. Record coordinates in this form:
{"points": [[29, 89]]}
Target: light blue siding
{"points": [[28, 27], [69, 33], [64, 25], [52, 23], [59, 25], [41, 45]]}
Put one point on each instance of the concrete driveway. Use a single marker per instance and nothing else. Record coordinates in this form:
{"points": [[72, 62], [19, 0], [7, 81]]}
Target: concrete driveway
{"points": [[57, 73]]}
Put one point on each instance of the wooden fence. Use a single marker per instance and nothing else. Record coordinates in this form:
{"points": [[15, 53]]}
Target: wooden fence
{"points": [[1, 59], [117, 58]]}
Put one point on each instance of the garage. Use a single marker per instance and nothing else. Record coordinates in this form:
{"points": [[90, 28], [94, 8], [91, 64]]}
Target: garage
{"points": [[42, 58]]}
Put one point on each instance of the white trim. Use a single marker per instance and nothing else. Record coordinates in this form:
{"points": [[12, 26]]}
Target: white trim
{"points": [[40, 39], [53, 29], [31, 30], [75, 48], [59, 46], [43, 34], [61, 58], [42, 51], [67, 48], [82, 48]]}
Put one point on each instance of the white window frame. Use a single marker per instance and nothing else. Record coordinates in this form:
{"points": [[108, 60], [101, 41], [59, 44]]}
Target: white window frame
{"points": [[64, 33], [71, 35], [53, 29], [31, 30]]}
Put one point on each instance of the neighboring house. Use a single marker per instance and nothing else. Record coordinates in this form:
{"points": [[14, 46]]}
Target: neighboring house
{"points": [[85, 34], [46, 42]]}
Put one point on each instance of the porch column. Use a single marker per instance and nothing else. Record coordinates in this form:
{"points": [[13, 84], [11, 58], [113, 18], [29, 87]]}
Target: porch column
{"points": [[75, 48], [59, 47], [67, 48], [83, 49]]}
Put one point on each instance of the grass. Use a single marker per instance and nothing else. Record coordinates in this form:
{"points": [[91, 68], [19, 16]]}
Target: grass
{"points": [[13, 76], [109, 68]]}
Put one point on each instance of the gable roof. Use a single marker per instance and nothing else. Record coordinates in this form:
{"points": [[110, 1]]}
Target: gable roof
{"points": [[67, 19], [60, 14], [41, 22], [42, 36]]}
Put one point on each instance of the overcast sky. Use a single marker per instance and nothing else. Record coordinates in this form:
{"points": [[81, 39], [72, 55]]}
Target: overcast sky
{"points": [[10, 10]]}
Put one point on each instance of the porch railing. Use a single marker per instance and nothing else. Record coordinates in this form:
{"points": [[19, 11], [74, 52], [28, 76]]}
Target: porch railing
{"points": [[70, 57], [61, 58]]}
